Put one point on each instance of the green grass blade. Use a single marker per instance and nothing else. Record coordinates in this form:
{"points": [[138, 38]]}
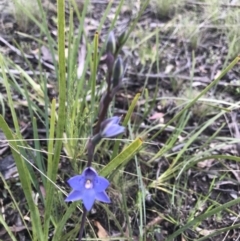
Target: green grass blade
{"points": [[60, 226], [9, 95], [94, 74], [213, 83], [203, 217], [10, 233], [50, 164], [134, 23], [6, 186], [123, 157], [25, 181], [52, 174], [219, 231]]}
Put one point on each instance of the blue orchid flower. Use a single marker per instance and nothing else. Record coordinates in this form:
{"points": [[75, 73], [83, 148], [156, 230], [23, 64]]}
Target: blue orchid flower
{"points": [[88, 187], [111, 128]]}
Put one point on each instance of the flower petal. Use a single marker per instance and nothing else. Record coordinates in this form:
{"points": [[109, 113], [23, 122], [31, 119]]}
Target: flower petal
{"points": [[100, 184], [89, 173], [112, 120], [77, 182], [74, 196], [102, 197], [88, 198], [113, 130]]}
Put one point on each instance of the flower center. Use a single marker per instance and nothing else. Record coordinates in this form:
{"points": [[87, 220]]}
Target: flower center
{"points": [[88, 184]]}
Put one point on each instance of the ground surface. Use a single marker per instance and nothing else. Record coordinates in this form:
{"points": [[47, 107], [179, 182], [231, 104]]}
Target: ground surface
{"points": [[175, 55]]}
